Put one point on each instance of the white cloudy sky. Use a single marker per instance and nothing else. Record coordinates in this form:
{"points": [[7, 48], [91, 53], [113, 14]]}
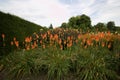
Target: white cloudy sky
{"points": [[45, 12]]}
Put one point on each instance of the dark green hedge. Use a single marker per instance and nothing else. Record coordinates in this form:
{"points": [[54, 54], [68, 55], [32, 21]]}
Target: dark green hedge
{"points": [[13, 26]]}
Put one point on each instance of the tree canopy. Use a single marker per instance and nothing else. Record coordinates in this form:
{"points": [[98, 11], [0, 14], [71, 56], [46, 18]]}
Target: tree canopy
{"points": [[64, 25], [78, 22], [51, 26], [111, 25], [101, 26]]}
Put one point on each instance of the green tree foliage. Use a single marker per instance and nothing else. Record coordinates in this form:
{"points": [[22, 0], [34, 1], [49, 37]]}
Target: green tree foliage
{"points": [[84, 21], [72, 22], [80, 22], [13, 26], [100, 26], [111, 25], [117, 29], [64, 25], [51, 26]]}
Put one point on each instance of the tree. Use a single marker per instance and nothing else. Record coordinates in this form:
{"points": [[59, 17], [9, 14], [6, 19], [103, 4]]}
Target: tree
{"points": [[80, 21], [64, 25], [84, 22], [100, 26], [111, 25], [51, 26], [72, 22]]}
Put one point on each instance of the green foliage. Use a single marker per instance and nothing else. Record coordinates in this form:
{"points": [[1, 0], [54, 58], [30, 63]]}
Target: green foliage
{"points": [[84, 22], [117, 29], [72, 22], [56, 62], [78, 62], [111, 25], [101, 26], [13, 26], [64, 25], [19, 65], [92, 63], [51, 26], [79, 22]]}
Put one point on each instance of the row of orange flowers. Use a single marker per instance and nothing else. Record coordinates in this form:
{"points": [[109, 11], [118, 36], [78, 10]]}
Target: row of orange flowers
{"points": [[14, 42], [62, 40]]}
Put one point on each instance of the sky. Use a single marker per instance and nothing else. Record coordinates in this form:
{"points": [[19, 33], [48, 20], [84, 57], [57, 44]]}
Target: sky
{"points": [[55, 12]]}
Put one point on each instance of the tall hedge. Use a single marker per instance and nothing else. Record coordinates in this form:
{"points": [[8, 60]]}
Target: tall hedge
{"points": [[13, 26]]}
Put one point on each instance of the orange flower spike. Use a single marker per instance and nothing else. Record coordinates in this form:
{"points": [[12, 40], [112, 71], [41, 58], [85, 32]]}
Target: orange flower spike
{"points": [[109, 45], [45, 35], [14, 38], [68, 38], [65, 42], [79, 36], [85, 46], [37, 36], [71, 37], [108, 33], [17, 43], [103, 44], [28, 48], [30, 38], [56, 36], [11, 43], [43, 46], [27, 39], [3, 36], [84, 40], [92, 37], [76, 41], [48, 32], [69, 44], [40, 41], [51, 36], [61, 47], [102, 35], [42, 36], [89, 42], [60, 41], [33, 46], [97, 38]]}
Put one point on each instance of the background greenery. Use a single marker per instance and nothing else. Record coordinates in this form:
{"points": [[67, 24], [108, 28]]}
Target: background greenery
{"points": [[13, 26], [52, 63]]}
